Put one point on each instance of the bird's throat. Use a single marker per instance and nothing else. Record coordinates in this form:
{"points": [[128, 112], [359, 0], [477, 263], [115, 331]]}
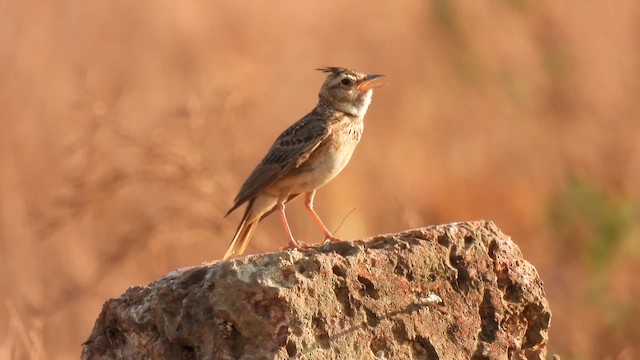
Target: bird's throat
{"points": [[357, 108]]}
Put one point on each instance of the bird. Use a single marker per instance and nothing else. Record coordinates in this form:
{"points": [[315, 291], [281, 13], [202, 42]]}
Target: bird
{"points": [[306, 156]]}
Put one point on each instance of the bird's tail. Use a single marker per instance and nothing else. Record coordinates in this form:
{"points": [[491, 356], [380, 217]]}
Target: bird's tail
{"points": [[243, 234]]}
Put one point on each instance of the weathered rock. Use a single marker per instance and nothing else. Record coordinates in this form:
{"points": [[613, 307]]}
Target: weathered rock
{"points": [[454, 291]]}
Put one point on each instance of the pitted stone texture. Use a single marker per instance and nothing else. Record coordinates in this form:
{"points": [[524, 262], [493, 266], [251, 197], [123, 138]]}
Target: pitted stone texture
{"points": [[454, 291]]}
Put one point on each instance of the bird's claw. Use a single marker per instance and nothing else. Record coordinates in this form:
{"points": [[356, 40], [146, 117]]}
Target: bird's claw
{"points": [[329, 239], [300, 246]]}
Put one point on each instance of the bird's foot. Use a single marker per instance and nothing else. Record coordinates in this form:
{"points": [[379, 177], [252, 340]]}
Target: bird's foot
{"points": [[329, 239], [298, 245]]}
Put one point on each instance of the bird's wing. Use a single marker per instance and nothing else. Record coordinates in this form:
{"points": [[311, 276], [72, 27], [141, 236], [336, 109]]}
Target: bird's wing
{"points": [[292, 148]]}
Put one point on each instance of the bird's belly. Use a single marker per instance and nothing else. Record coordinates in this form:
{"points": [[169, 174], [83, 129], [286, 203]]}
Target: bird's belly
{"points": [[323, 165]]}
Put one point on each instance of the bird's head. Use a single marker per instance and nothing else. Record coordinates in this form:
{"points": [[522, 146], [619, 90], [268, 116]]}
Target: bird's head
{"points": [[348, 90]]}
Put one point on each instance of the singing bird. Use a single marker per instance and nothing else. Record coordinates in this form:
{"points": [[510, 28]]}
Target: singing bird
{"points": [[307, 155]]}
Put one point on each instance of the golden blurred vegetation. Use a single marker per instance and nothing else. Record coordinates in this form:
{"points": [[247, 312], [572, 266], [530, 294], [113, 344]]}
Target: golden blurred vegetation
{"points": [[126, 128]]}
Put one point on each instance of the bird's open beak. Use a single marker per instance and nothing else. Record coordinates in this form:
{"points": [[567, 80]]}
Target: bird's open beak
{"points": [[369, 83]]}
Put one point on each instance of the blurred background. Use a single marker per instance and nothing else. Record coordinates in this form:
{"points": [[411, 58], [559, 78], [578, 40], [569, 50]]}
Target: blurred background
{"points": [[127, 127]]}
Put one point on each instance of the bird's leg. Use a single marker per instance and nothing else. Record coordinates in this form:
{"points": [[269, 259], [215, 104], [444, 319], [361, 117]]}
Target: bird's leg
{"points": [[308, 203], [293, 244]]}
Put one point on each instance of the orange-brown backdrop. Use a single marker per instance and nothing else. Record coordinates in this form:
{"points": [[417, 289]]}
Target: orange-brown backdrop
{"points": [[126, 128]]}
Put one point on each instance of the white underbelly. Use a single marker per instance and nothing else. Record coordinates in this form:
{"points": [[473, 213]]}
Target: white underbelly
{"points": [[324, 165], [326, 168]]}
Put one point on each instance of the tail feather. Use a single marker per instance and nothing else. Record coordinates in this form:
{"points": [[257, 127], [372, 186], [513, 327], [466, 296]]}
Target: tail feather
{"points": [[243, 234]]}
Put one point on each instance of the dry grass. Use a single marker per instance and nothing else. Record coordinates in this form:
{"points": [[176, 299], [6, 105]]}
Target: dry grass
{"points": [[127, 127]]}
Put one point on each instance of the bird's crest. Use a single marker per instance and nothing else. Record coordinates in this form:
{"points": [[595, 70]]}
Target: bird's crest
{"points": [[335, 69]]}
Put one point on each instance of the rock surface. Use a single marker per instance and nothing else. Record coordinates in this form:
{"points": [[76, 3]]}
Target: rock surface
{"points": [[456, 291]]}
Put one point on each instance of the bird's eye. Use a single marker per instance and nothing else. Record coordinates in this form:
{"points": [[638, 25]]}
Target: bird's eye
{"points": [[346, 81]]}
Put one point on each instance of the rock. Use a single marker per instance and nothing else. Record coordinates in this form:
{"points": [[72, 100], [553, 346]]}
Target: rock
{"points": [[455, 291]]}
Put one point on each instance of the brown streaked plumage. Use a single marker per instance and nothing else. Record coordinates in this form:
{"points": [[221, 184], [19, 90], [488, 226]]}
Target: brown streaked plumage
{"points": [[307, 155]]}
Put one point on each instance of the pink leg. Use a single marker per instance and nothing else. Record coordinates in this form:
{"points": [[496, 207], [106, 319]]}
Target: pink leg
{"points": [[293, 244], [308, 203]]}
